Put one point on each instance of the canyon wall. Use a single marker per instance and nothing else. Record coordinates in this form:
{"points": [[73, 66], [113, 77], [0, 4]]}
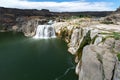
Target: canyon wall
{"points": [[95, 45], [26, 20]]}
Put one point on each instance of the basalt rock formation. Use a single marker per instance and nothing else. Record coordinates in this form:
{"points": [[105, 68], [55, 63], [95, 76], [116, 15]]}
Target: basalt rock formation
{"points": [[26, 20], [96, 45]]}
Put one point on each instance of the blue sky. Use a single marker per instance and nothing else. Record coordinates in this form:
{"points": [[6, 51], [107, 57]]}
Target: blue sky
{"points": [[63, 5], [51, 0], [116, 2]]}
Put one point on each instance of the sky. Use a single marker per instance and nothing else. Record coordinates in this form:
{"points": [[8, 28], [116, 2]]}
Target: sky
{"points": [[63, 5]]}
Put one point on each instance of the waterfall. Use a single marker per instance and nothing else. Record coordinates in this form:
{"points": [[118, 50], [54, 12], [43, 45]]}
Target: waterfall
{"points": [[45, 31]]}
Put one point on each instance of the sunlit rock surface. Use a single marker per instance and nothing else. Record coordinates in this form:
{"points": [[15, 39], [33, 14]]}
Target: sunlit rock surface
{"points": [[97, 63], [95, 46], [117, 71]]}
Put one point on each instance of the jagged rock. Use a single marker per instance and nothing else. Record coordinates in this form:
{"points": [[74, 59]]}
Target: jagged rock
{"points": [[109, 43], [26, 25], [98, 40], [80, 37], [93, 33], [95, 62], [91, 67], [29, 28], [74, 41], [117, 46], [99, 60], [117, 71], [108, 64]]}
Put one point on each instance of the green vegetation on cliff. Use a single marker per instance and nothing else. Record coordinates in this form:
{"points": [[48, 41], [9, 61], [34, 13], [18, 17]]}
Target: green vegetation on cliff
{"points": [[81, 16], [115, 35], [118, 56], [86, 41]]}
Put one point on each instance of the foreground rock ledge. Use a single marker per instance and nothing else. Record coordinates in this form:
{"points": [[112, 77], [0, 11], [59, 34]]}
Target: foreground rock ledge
{"points": [[95, 46]]}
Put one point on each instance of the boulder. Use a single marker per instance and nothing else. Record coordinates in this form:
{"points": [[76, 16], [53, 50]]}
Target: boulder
{"points": [[91, 67], [97, 63]]}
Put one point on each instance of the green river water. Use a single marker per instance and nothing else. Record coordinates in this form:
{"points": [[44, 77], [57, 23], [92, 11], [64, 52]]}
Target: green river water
{"points": [[24, 58]]}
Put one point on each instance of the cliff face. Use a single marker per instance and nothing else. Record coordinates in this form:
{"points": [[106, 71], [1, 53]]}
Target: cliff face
{"points": [[95, 45], [8, 16], [26, 21]]}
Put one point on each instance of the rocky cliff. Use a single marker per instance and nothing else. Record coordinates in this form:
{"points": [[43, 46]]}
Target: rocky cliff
{"points": [[26, 20], [95, 45]]}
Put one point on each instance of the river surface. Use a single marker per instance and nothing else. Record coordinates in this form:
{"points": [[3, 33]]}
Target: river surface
{"points": [[24, 58]]}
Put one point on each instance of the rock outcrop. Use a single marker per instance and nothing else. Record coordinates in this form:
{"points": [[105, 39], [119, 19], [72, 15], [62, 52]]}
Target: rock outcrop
{"points": [[27, 25], [113, 18], [98, 62]]}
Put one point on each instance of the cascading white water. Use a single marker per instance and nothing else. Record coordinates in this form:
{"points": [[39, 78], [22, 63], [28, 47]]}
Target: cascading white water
{"points": [[45, 31]]}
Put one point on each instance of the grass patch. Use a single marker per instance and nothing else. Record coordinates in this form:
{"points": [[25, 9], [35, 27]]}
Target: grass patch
{"points": [[81, 16], [107, 22], [86, 41], [115, 35], [118, 56]]}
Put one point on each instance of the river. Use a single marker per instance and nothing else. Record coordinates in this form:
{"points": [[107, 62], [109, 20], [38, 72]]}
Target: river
{"points": [[24, 58]]}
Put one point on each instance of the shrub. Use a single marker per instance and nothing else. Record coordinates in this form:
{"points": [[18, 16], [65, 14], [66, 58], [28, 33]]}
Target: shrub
{"points": [[118, 56], [115, 35], [107, 22]]}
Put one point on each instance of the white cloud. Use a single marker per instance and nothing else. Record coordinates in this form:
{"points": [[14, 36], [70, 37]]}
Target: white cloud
{"points": [[70, 6]]}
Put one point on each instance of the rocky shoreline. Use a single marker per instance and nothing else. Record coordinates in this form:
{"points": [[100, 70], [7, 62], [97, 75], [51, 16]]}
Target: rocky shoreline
{"points": [[95, 45]]}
